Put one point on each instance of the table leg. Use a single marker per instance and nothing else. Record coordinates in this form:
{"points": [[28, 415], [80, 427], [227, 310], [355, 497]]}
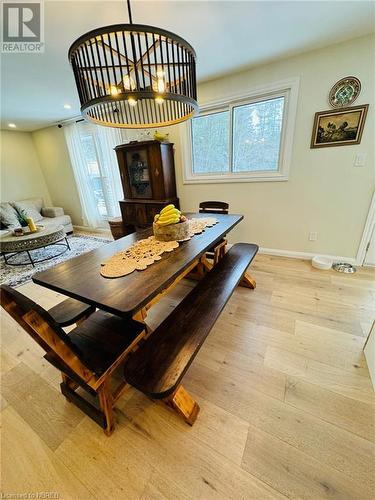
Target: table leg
{"points": [[141, 316], [31, 260], [200, 269], [67, 243], [220, 251]]}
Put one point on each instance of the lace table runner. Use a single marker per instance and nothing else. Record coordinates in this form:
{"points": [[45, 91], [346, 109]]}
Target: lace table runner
{"points": [[145, 252]]}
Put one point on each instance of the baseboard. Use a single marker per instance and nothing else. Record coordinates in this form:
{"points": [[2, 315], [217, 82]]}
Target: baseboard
{"points": [[305, 255]]}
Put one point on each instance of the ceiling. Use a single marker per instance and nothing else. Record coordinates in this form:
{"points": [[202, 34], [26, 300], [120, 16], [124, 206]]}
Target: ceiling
{"points": [[227, 36]]}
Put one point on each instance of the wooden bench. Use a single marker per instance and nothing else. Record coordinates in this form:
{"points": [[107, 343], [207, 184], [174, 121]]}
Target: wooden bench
{"points": [[87, 357], [70, 311], [158, 366]]}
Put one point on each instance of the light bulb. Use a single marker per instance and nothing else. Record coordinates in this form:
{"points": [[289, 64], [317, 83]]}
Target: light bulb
{"points": [[132, 101], [128, 83], [159, 100], [12, 125], [114, 90], [160, 83]]}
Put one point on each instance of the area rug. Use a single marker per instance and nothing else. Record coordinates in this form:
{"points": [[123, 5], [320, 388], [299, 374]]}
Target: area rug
{"points": [[18, 275]]}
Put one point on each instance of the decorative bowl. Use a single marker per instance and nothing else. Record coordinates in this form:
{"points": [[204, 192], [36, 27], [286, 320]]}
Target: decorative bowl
{"points": [[173, 232]]}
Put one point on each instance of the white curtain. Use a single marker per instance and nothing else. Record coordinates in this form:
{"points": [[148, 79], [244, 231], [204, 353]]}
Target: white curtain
{"points": [[107, 139], [102, 141], [90, 212]]}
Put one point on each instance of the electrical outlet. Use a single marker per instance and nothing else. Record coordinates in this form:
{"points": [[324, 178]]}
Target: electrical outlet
{"points": [[360, 160], [313, 236]]}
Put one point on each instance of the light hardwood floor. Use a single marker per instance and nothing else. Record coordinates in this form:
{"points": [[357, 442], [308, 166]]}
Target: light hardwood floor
{"points": [[287, 406]]}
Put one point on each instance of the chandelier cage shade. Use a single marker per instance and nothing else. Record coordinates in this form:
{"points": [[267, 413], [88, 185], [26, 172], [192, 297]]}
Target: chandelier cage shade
{"points": [[134, 76]]}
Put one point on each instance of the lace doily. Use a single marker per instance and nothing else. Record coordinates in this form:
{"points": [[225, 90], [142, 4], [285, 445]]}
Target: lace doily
{"points": [[145, 252]]}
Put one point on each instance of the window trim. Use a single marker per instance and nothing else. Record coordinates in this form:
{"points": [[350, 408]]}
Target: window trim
{"points": [[288, 89]]}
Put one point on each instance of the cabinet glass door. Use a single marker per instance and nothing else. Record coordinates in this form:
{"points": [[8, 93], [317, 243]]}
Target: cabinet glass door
{"points": [[139, 175]]}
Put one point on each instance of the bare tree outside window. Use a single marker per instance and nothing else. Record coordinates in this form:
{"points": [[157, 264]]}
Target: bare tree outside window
{"points": [[210, 138], [257, 135]]}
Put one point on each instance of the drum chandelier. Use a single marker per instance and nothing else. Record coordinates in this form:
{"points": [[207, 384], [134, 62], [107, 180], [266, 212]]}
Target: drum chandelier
{"points": [[134, 76]]}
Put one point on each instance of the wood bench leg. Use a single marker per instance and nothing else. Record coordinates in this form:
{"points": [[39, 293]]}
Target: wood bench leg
{"points": [[104, 417], [248, 282], [184, 405], [106, 405], [69, 382], [89, 409]]}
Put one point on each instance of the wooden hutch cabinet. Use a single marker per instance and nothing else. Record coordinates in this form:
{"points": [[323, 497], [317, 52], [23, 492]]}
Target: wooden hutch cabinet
{"points": [[148, 181]]}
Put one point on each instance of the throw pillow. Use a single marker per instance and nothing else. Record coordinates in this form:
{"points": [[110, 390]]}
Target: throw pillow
{"points": [[8, 215], [30, 207]]}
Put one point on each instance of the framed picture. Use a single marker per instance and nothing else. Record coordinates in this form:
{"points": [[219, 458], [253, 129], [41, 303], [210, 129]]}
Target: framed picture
{"points": [[339, 127]]}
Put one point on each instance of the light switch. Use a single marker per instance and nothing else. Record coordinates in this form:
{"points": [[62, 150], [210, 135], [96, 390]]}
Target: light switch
{"points": [[360, 160]]}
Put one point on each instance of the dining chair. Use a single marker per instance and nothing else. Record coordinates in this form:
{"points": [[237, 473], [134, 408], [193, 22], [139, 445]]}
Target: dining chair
{"points": [[215, 207], [86, 357]]}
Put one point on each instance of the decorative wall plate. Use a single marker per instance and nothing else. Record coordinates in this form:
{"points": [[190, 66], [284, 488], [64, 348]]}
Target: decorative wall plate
{"points": [[344, 92]]}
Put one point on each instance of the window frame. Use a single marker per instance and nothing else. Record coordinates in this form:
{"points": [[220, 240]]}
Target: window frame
{"points": [[287, 89]]}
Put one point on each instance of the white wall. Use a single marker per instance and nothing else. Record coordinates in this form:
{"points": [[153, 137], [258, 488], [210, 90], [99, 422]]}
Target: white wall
{"points": [[55, 162], [54, 159], [325, 192], [21, 175]]}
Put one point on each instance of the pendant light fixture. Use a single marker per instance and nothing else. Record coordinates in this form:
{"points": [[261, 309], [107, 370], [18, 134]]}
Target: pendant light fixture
{"points": [[134, 76]]}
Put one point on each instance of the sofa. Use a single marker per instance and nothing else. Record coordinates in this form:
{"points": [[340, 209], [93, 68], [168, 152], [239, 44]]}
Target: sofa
{"points": [[34, 208]]}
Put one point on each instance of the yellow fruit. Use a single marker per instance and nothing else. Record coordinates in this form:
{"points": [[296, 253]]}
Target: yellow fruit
{"points": [[163, 218], [171, 213], [167, 221], [165, 209], [156, 217]]}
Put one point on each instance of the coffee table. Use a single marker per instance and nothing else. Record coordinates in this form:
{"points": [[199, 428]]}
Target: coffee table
{"points": [[11, 245]]}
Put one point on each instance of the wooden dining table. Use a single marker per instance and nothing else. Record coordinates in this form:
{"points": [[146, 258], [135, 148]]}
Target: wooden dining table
{"points": [[132, 294]]}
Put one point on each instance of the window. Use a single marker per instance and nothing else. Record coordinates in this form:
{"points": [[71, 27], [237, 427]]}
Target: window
{"points": [[257, 135], [247, 138], [210, 141]]}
